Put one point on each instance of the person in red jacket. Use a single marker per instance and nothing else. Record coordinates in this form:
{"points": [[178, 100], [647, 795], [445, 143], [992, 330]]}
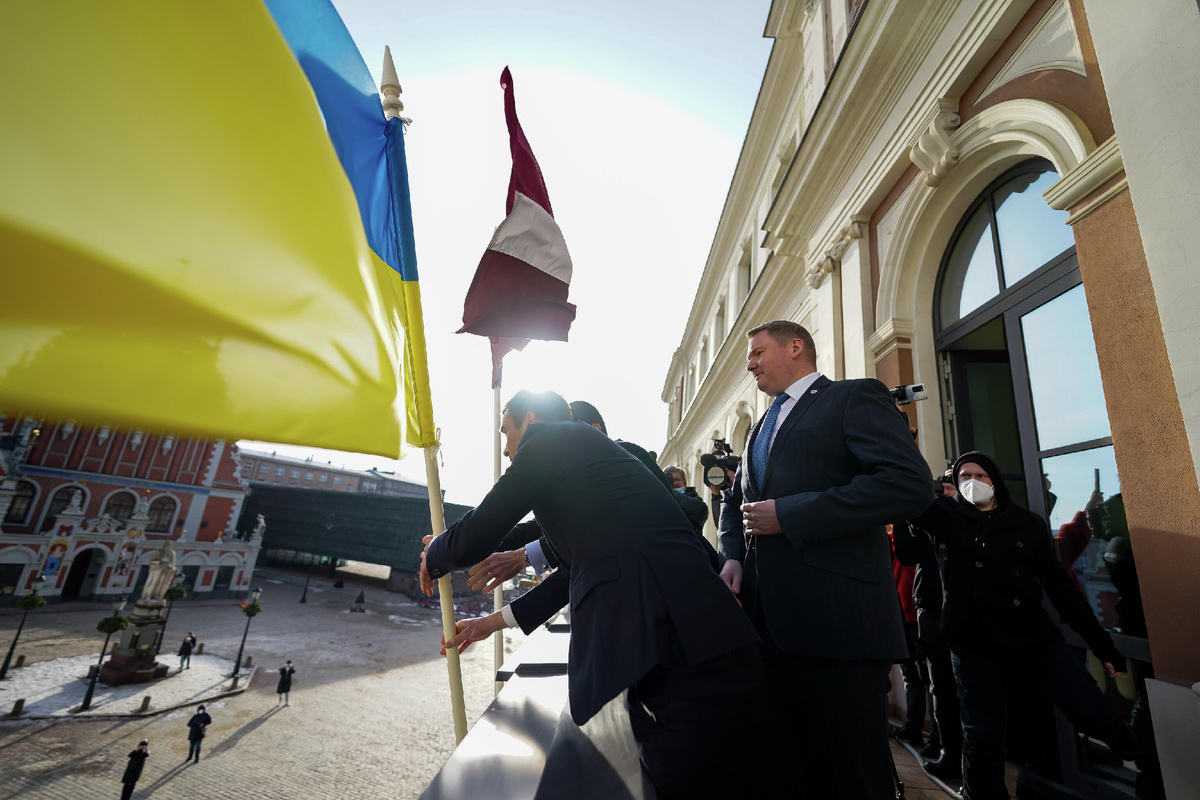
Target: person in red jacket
{"points": [[916, 679]]}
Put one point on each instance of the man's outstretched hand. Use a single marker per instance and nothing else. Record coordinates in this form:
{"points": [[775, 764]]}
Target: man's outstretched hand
{"points": [[470, 631], [495, 570]]}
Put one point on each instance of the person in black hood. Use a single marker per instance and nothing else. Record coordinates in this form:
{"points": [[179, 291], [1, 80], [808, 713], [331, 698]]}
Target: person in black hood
{"points": [[996, 561]]}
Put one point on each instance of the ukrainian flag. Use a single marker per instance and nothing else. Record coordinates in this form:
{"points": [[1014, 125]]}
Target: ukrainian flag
{"points": [[205, 226]]}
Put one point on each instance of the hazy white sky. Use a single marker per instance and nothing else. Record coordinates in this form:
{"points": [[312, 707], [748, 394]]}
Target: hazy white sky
{"points": [[636, 112]]}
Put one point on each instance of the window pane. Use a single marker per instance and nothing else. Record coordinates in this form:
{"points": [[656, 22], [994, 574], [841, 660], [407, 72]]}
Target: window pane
{"points": [[1087, 517], [1031, 232], [970, 279], [1064, 377]]}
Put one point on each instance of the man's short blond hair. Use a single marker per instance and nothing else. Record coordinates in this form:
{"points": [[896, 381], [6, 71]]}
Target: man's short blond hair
{"points": [[784, 331]]}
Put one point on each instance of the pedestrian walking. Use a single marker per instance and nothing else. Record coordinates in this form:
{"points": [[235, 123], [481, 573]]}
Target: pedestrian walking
{"points": [[185, 651], [133, 772], [284, 689], [197, 727]]}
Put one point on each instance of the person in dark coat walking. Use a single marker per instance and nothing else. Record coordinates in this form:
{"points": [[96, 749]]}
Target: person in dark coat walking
{"points": [[185, 651], [197, 727], [133, 772], [284, 689], [997, 559]]}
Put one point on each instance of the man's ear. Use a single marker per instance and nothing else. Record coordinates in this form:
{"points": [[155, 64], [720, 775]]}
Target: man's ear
{"points": [[797, 348], [530, 418]]}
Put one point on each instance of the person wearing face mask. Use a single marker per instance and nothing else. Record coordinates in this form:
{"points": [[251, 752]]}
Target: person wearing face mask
{"points": [[996, 561]]}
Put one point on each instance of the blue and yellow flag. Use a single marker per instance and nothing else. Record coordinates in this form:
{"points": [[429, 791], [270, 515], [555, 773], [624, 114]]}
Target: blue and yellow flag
{"points": [[191, 241]]}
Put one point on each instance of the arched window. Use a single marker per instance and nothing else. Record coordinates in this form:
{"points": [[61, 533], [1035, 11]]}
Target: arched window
{"points": [[60, 500], [162, 511], [1007, 235], [1021, 376], [120, 506], [22, 501]]}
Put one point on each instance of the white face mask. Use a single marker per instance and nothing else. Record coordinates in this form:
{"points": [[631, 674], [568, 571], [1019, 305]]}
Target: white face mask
{"points": [[977, 493]]}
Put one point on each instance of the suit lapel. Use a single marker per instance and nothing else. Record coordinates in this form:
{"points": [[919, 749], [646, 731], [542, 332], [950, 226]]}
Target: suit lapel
{"points": [[803, 403]]}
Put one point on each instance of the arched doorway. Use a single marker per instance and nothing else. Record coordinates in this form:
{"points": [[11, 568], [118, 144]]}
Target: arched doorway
{"points": [[83, 575], [1020, 380]]}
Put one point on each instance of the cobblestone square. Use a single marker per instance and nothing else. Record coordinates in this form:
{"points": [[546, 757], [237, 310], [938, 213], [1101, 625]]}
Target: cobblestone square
{"points": [[370, 714]]}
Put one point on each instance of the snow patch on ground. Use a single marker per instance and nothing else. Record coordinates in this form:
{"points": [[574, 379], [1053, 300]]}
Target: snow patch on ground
{"points": [[55, 688]]}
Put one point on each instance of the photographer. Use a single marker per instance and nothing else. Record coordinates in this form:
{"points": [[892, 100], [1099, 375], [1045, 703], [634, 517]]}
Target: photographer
{"points": [[720, 471], [686, 497]]}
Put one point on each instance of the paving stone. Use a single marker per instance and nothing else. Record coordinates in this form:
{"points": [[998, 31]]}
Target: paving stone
{"points": [[370, 714]]}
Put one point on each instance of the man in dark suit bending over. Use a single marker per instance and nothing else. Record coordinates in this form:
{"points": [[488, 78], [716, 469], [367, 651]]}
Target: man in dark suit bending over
{"points": [[829, 464], [647, 611]]}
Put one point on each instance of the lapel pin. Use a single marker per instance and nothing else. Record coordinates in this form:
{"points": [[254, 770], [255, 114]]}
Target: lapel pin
{"points": [[814, 391]]}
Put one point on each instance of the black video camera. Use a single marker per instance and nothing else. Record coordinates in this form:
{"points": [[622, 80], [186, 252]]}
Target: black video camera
{"points": [[717, 462]]}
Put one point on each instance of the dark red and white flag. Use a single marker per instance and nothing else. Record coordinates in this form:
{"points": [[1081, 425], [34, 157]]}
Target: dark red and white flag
{"points": [[520, 287]]}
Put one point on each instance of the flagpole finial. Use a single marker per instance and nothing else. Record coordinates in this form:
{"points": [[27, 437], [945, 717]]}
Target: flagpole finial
{"points": [[390, 87]]}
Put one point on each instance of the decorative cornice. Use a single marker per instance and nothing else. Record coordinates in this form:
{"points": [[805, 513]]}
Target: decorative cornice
{"points": [[1098, 168], [935, 153], [831, 259]]}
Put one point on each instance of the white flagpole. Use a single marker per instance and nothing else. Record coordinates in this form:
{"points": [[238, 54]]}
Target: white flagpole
{"points": [[498, 592], [390, 88]]}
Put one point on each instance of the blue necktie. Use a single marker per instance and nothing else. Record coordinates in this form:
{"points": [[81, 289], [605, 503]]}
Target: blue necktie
{"points": [[762, 443]]}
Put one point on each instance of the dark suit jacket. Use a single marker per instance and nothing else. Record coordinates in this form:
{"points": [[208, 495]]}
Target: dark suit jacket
{"points": [[639, 584], [843, 464]]}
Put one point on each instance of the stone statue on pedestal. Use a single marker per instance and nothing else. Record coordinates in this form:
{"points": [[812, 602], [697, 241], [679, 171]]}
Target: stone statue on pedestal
{"points": [[162, 573]]}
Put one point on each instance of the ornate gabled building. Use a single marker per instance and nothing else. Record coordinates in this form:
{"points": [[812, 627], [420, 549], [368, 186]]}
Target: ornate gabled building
{"points": [[88, 506], [994, 198]]}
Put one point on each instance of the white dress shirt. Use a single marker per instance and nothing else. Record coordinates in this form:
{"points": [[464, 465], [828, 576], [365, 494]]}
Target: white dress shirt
{"points": [[794, 393]]}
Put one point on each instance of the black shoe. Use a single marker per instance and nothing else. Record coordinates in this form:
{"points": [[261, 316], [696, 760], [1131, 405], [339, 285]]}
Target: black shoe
{"points": [[946, 768], [911, 735], [932, 750]]}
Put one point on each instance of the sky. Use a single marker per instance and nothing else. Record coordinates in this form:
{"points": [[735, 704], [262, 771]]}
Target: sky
{"points": [[636, 112]]}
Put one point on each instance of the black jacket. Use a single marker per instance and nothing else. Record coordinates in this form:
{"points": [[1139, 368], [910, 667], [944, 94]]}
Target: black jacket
{"points": [[185, 649], [638, 581], [843, 464], [285, 679], [133, 772], [198, 725], [995, 567]]}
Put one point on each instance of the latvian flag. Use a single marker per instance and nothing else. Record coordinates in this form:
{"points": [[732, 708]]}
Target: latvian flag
{"points": [[520, 287]]}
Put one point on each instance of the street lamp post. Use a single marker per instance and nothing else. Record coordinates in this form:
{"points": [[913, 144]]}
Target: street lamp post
{"points": [[173, 593], [108, 626], [28, 603], [308, 574], [250, 610]]}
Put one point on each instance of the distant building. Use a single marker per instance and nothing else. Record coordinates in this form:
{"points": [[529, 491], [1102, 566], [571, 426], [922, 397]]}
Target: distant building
{"points": [[305, 473], [88, 506]]}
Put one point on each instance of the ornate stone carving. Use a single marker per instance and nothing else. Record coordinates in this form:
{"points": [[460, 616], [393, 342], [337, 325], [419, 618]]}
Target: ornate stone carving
{"points": [[935, 153], [75, 506], [161, 574], [832, 258], [260, 528]]}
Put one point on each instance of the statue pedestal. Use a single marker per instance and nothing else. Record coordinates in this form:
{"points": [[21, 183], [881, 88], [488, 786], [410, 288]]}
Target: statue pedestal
{"points": [[132, 659]]}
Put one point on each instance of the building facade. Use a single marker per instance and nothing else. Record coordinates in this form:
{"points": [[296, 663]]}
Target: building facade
{"points": [[305, 473], [992, 198], [87, 507]]}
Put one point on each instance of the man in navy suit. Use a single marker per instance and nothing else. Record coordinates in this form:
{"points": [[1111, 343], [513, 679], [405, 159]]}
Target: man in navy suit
{"points": [[828, 465], [648, 613]]}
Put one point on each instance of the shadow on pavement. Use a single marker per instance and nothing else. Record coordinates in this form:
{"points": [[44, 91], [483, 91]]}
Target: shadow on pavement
{"points": [[232, 739], [164, 778]]}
